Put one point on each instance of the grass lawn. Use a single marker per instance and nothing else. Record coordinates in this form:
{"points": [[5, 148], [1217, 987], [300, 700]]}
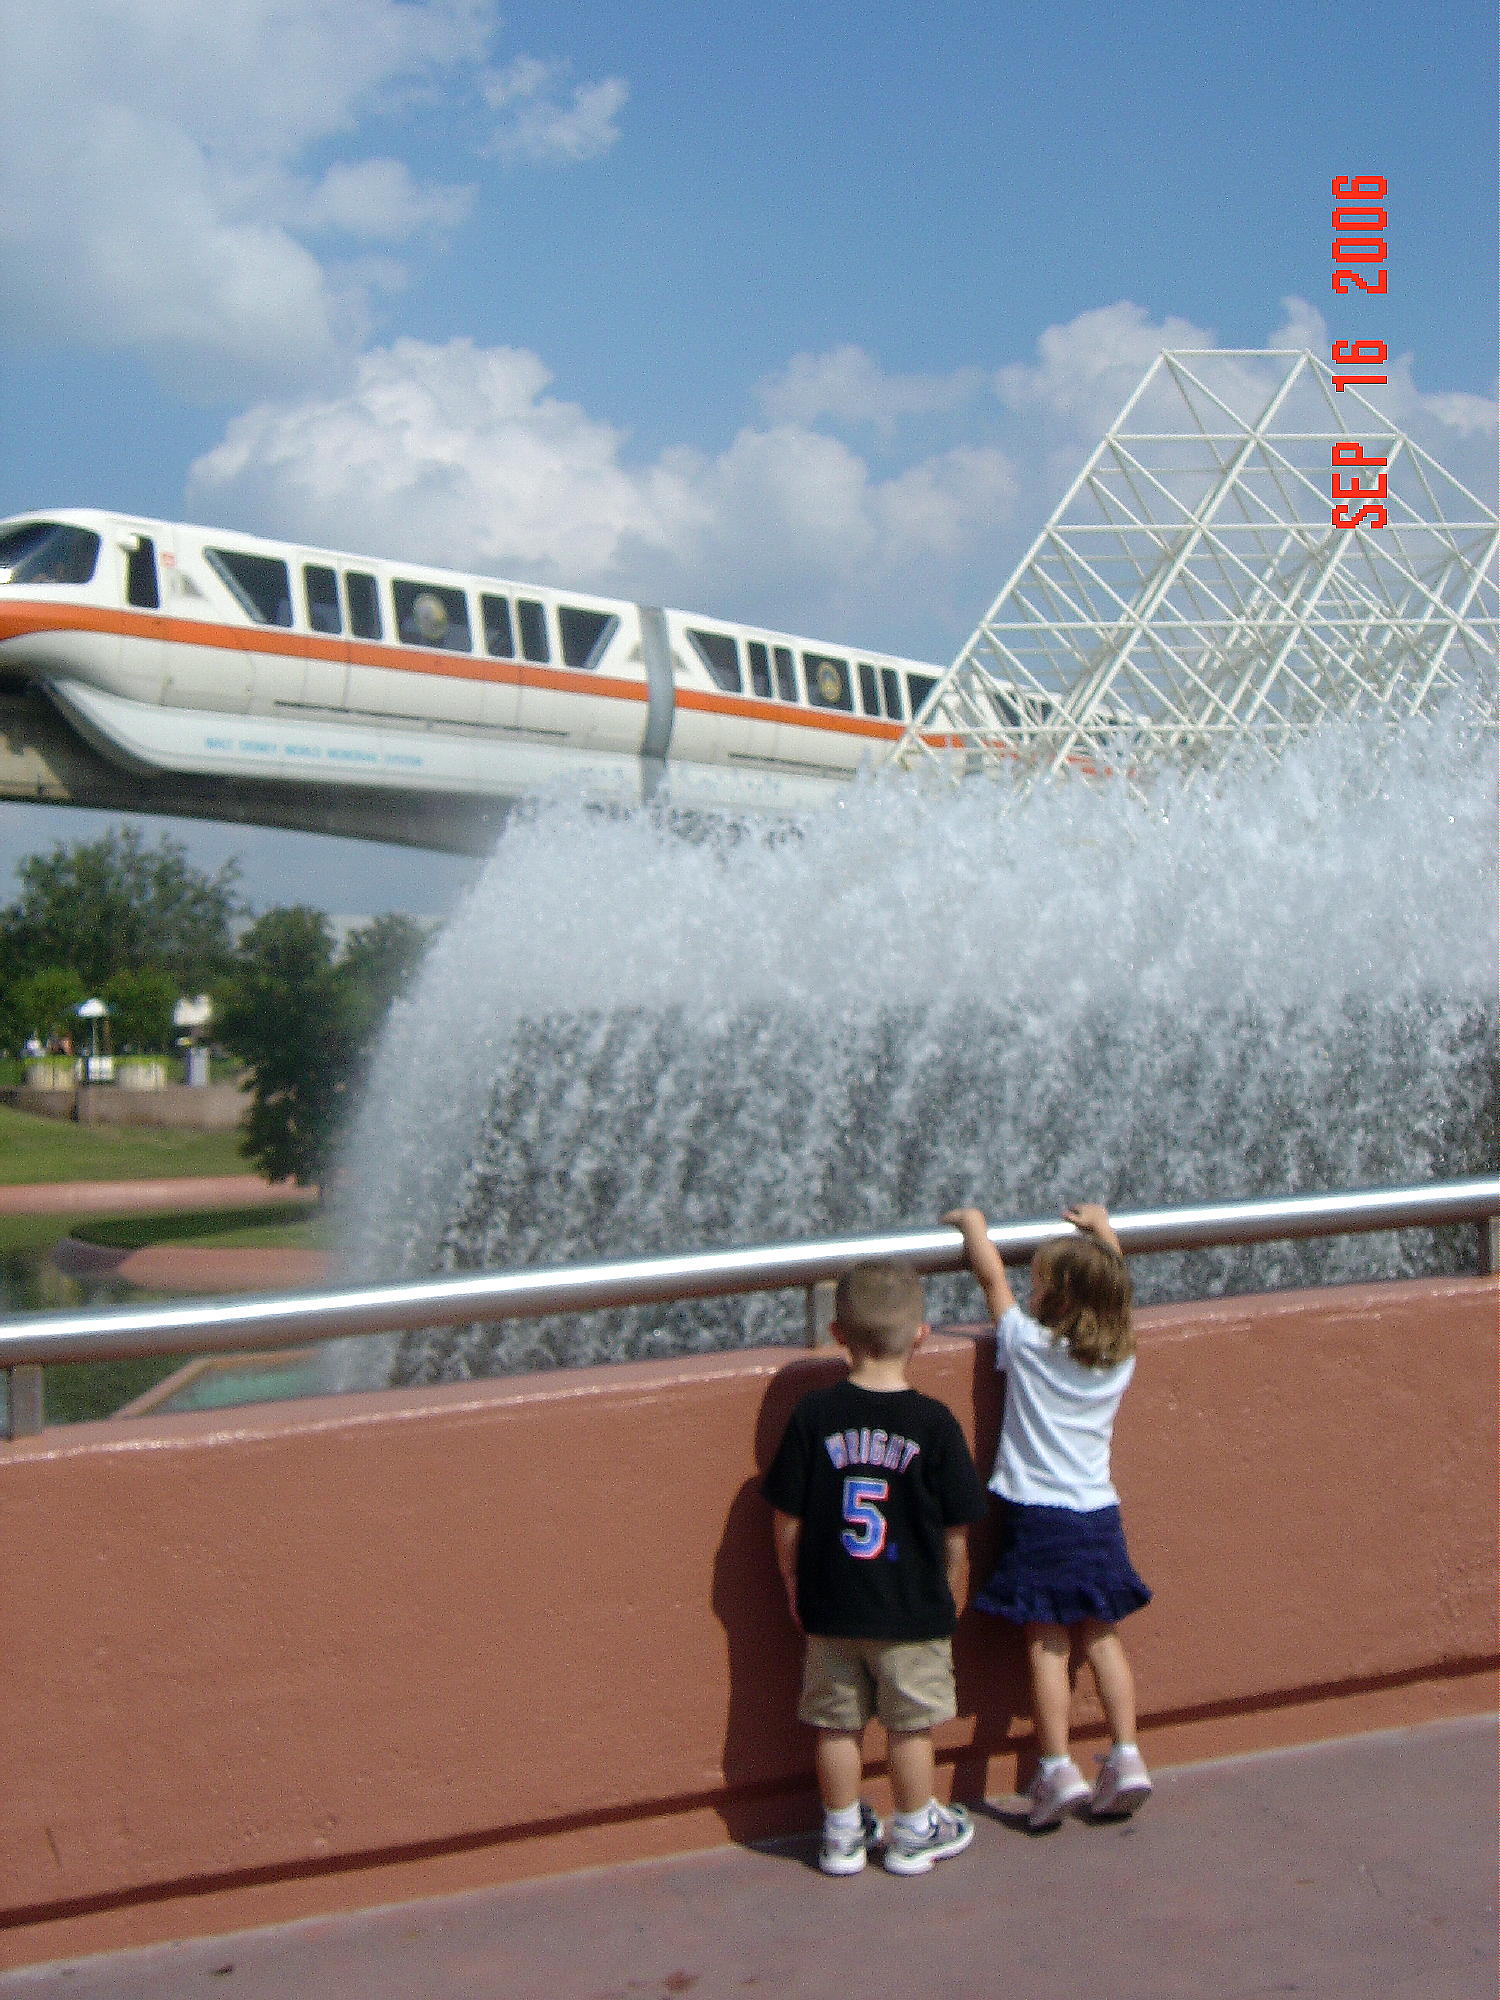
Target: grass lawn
{"points": [[77, 1392], [50, 1149], [292, 1227]]}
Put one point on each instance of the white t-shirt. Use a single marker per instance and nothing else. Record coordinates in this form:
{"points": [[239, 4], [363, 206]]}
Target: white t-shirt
{"points": [[1054, 1443]]}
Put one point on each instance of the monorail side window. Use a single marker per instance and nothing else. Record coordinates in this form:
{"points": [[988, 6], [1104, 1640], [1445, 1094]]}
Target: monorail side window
{"points": [[432, 614], [828, 681], [364, 604], [322, 588], [919, 686], [260, 585], [786, 672], [48, 552], [1006, 708], [584, 634], [499, 636], [721, 655], [869, 689], [890, 682], [142, 588], [533, 620], [760, 669]]}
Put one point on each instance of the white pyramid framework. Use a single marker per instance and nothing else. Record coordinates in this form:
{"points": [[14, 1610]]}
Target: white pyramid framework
{"points": [[1190, 596]]}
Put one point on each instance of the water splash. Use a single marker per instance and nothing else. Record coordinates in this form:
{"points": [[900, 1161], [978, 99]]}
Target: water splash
{"points": [[628, 1041]]}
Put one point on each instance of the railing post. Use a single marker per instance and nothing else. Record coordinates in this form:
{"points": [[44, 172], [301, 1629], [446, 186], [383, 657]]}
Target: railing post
{"points": [[1489, 1246], [820, 1313], [25, 1414]]}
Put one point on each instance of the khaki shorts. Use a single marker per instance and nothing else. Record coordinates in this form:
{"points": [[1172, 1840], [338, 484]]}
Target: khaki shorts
{"points": [[907, 1683]]}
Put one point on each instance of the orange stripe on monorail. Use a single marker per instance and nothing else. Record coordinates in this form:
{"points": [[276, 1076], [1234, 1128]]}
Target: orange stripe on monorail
{"points": [[20, 618], [17, 621]]}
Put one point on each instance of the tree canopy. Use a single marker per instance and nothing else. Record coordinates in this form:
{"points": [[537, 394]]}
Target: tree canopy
{"points": [[304, 1021], [115, 905]]}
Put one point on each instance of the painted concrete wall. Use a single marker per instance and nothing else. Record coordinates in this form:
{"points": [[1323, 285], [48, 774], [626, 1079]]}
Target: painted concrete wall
{"points": [[270, 1662]]}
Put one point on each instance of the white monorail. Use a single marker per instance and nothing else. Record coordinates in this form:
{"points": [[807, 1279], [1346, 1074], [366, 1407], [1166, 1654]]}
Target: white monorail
{"points": [[177, 649]]}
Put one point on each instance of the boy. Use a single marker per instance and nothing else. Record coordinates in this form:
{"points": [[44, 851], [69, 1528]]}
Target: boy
{"points": [[872, 1486]]}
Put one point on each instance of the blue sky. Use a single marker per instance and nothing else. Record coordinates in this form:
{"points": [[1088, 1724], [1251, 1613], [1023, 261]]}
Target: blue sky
{"points": [[793, 312]]}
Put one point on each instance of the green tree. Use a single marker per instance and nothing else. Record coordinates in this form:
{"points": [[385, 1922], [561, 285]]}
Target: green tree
{"points": [[116, 905], [376, 965], [283, 1013], [44, 1003], [140, 1006], [304, 1023]]}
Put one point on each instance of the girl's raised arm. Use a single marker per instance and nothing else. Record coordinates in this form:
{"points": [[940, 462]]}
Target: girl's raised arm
{"points": [[1092, 1217], [985, 1260]]}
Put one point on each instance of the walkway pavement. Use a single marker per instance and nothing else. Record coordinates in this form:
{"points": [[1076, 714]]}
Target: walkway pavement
{"points": [[151, 1197], [1357, 1870], [204, 1269]]}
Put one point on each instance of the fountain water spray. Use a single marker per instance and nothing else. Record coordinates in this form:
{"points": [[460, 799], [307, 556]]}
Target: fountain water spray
{"points": [[630, 1041]]}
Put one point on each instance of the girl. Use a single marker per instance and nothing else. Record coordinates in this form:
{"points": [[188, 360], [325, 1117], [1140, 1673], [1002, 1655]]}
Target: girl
{"points": [[1065, 1569]]}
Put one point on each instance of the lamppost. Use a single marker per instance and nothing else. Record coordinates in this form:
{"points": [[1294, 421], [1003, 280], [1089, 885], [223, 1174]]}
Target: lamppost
{"points": [[191, 1015], [98, 1064]]}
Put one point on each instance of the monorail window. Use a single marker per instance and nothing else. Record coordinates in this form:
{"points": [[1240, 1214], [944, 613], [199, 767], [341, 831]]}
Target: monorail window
{"points": [[48, 552], [322, 588], [827, 681], [260, 585], [584, 634], [533, 620], [142, 587], [890, 683], [786, 672], [869, 689], [432, 614], [1005, 707], [919, 686], [721, 655], [364, 604], [499, 634], [760, 669]]}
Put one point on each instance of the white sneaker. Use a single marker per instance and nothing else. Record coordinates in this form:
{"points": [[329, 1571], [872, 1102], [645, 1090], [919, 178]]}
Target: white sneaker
{"points": [[844, 1854], [1054, 1793], [1124, 1784], [948, 1831]]}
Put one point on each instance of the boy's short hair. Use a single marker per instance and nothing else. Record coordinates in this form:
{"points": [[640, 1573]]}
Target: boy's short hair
{"points": [[879, 1308]]}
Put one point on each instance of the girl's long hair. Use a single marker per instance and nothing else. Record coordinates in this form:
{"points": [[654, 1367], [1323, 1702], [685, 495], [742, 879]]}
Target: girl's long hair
{"points": [[1081, 1292]]}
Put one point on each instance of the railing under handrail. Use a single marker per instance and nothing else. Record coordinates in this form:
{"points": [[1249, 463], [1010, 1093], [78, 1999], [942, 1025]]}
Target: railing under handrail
{"points": [[209, 1326]]}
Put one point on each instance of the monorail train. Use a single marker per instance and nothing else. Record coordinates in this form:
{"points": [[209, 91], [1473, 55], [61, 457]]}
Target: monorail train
{"points": [[183, 649]]}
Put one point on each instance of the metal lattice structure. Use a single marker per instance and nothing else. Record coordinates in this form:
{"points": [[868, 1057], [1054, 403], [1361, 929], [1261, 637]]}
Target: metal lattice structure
{"points": [[1191, 597]]}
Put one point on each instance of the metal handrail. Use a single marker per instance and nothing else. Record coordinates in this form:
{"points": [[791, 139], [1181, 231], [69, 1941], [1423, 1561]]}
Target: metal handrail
{"points": [[203, 1326]]}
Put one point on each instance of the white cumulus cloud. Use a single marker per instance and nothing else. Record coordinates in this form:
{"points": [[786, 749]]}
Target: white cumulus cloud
{"points": [[544, 122], [161, 188], [381, 202], [464, 455], [849, 385], [458, 454]]}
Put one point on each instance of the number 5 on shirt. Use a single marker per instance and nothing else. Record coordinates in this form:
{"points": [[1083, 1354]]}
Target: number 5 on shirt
{"points": [[865, 1536]]}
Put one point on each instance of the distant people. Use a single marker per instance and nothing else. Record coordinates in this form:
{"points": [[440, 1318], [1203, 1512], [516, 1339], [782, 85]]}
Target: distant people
{"points": [[1064, 1570], [873, 1487]]}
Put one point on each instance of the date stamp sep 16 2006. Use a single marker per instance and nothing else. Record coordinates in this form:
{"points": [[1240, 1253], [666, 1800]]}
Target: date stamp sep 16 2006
{"points": [[1358, 476]]}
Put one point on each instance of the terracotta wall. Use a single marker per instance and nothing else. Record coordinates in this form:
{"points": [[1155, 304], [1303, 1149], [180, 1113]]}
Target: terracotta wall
{"points": [[271, 1662]]}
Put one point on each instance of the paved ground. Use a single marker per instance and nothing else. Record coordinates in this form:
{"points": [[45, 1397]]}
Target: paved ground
{"points": [[151, 1197], [1358, 1870], [197, 1268]]}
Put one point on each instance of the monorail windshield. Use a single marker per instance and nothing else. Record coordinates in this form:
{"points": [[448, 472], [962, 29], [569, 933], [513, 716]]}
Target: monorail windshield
{"points": [[48, 552]]}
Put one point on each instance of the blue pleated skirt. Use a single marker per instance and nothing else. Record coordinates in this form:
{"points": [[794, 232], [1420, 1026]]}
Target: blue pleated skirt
{"points": [[1058, 1567]]}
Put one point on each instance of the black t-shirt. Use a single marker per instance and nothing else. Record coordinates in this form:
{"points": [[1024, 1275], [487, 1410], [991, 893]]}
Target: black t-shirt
{"points": [[874, 1476]]}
